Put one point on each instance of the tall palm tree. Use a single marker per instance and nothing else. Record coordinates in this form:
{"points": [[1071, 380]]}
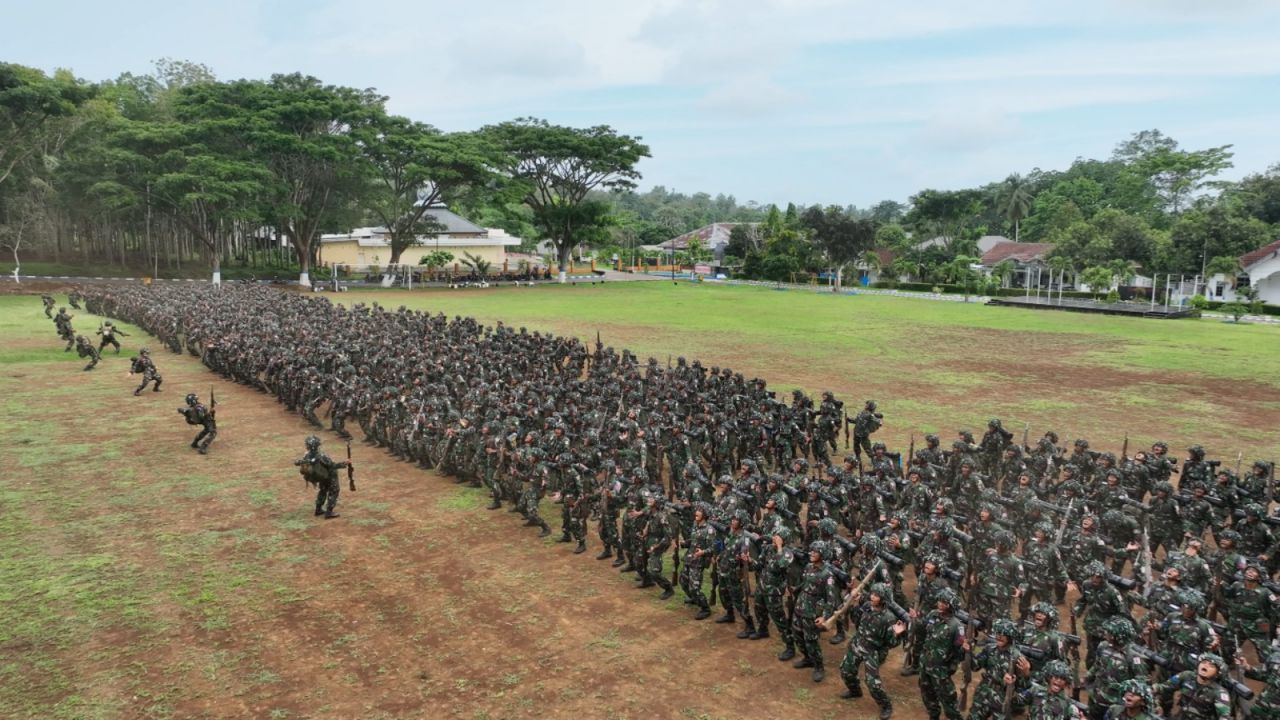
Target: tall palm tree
{"points": [[1015, 201]]}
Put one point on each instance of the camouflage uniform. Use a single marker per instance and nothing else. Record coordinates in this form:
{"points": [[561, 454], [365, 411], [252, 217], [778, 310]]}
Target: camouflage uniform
{"points": [[197, 414], [995, 661], [940, 655], [84, 348], [143, 364], [1196, 701], [874, 637], [320, 469], [815, 598]]}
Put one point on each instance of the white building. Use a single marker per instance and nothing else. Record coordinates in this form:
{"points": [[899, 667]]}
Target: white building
{"points": [[1260, 268]]}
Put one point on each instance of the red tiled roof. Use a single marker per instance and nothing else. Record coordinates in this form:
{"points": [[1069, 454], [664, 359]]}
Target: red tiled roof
{"points": [[709, 235], [1261, 253], [1018, 252]]}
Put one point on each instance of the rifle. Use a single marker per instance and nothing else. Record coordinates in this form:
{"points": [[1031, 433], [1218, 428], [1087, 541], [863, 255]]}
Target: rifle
{"points": [[968, 655], [1007, 708], [848, 603], [213, 402], [911, 453], [715, 584], [1026, 428], [351, 471], [846, 429], [1124, 451]]}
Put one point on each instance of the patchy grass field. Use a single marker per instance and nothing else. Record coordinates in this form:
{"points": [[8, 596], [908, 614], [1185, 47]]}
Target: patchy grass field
{"points": [[140, 580]]}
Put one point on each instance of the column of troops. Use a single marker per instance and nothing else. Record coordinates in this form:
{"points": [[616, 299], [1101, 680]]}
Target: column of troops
{"points": [[1029, 576]]}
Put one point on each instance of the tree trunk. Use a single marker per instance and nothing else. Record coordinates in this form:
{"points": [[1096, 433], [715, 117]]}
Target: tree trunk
{"points": [[562, 251], [217, 269]]}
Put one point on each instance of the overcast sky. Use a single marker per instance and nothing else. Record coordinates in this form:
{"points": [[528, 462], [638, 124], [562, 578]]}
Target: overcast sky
{"points": [[785, 100]]}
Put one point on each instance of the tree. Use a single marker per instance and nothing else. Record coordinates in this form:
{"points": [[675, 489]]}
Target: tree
{"points": [[1257, 195], [1227, 265], [1098, 278], [1174, 174], [951, 212], [31, 105], [416, 167], [893, 237], [1201, 235], [558, 166], [302, 131], [841, 238], [887, 211], [1015, 202]]}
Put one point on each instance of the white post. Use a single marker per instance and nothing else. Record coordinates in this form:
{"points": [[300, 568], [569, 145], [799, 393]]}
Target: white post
{"points": [[217, 277], [304, 279], [1027, 280]]}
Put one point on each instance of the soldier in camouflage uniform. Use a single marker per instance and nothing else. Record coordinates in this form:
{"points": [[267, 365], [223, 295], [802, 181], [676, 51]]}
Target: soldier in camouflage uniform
{"points": [[815, 599], [728, 572], [657, 536], [108, 333], [1200, 696], [771, 566], [1043, 635], [48, 305], [1116, 663], [197, 414], [864, 424], [1251, 611], [929, 585], [318, 468], [84, 348], [878, 630], [1046, 571], [62, 321], [1054, 701], [1099, 601], [143, 364], [940, 655], [1137, 703], [698, 556], [1165, 519], [1001, 578], [1000, 661], [1185, 636], [1267, 706]]}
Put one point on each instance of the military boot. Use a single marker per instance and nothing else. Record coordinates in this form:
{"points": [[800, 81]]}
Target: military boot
{"points": [[667, 590], [495, 504], [546, 530], [726, 618], [319, 511], [704, 612], [886, 711], [749, 630], [605, 554], [852, 692], [818, 671], [329, 515], [582, 547], [564, 538], [804, 662]]}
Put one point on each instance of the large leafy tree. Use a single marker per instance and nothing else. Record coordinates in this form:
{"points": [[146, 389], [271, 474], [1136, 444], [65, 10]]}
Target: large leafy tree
{"points": [[842, 238], [303, 133], [949, 212], [1175, 174], [32, 106], [558, 167], [414, 167]]}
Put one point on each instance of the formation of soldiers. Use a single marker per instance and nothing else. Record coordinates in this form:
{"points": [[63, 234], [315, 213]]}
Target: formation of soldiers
{"points": [[1170, 566]]}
